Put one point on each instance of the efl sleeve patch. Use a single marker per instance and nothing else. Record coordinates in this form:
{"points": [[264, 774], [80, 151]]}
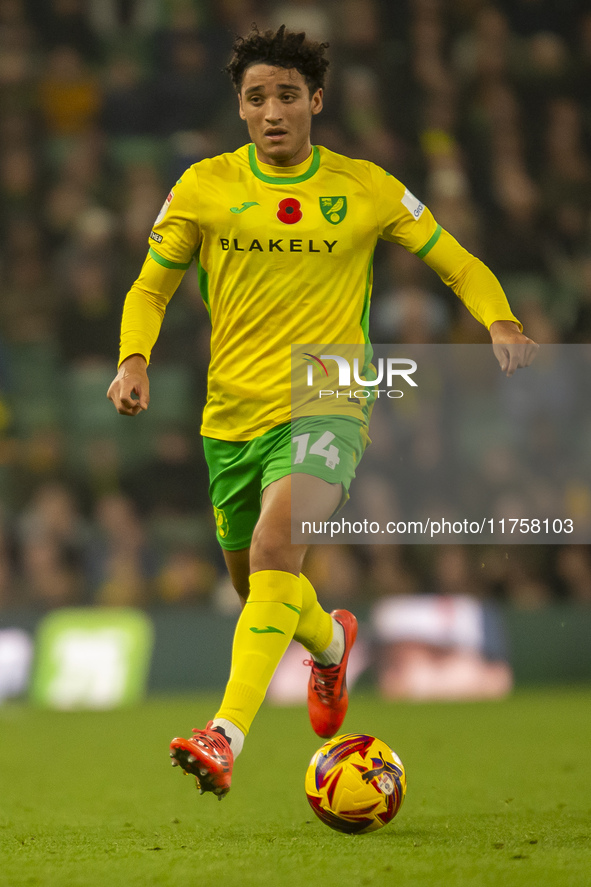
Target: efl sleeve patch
{"points": [[164, 208], [413, 205]]}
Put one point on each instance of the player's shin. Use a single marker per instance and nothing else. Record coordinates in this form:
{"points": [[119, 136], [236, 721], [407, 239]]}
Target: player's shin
{"points": [[263, 632]]}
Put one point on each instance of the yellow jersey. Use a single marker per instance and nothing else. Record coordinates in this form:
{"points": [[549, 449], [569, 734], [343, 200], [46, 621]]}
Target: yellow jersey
{"points": [[284, 257]]}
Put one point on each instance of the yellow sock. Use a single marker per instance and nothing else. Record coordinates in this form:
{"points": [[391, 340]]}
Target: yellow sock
{"points": [[263, 632], [314, 630]]}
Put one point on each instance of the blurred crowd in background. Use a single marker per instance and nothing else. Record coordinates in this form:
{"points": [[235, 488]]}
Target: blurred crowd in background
{"points": [[483, 109]]}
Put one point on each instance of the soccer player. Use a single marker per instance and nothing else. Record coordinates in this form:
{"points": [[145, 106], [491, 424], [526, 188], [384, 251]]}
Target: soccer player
{"points": [[283, 234]]}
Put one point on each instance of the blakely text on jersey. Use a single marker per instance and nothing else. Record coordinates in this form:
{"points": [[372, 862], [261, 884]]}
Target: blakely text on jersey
{"points": [[280, 245]]}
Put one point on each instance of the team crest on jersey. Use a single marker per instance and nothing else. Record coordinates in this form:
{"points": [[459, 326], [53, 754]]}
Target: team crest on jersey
{"points": [[164, 209], [334, 209]]}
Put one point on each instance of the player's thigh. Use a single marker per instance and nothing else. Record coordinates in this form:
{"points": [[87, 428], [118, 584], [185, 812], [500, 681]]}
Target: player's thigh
{"points": [[327, 448], [235, 477], [283, 501], [297, 497], [307, 469]]}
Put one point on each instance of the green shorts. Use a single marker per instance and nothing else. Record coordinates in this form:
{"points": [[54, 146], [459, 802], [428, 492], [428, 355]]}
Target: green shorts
{"points": [[328, 447]]}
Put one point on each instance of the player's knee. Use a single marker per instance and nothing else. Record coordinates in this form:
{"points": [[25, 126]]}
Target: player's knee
{"points": [[270, 550]]}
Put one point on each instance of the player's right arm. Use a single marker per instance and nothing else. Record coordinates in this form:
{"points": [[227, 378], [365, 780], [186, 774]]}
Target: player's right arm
{"points": [[142, 318], [177, 236], [130, 389]]}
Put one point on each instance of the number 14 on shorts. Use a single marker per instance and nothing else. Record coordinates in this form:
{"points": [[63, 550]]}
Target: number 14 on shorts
{"points": [[321, 447]]}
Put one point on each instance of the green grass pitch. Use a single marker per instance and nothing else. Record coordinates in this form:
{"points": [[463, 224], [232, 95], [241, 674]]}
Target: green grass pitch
{"points": [[498, 794]]}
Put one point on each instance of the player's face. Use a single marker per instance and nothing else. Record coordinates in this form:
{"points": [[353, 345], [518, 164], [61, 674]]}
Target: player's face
{"points": [[278, 109]]}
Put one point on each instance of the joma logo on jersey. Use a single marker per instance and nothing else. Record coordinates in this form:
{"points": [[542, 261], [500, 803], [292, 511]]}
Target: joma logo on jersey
{"points": [[334, 209], [246, 205], [279, 245]]}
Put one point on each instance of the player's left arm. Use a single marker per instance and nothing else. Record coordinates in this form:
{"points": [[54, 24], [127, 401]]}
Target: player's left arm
{"points": [[482, 294], [401, 217], [512, 348]]}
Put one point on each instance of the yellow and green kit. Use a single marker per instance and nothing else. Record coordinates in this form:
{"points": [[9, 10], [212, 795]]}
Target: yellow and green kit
{"points": [[284, 257]]}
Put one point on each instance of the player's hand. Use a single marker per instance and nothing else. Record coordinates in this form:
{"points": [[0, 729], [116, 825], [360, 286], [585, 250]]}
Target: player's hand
{"points": [[130, 389], [512, 349]]}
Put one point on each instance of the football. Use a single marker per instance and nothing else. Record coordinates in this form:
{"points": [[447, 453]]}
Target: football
{"points": [[355, 783]]}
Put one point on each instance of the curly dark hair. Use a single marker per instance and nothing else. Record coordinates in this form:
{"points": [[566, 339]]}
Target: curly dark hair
{"points": [[282, 49]]}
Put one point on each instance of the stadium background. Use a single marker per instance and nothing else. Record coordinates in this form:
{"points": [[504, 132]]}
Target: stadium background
{"points": [[482, 109]]}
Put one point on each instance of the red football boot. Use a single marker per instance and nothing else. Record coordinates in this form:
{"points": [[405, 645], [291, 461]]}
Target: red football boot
{"points": [[328, 699], [208, 757]]}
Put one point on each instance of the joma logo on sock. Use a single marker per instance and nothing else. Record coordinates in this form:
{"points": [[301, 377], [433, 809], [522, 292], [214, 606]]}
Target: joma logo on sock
{"points": [[270, 629]]}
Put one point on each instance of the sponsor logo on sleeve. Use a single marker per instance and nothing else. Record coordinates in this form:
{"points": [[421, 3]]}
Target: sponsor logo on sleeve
{"points": [[164, 208], [156, 237], [413, 205]]}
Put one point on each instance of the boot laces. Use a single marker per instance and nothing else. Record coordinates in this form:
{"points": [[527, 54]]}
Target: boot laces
{"points": [[324, 678], [212, 738]]}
